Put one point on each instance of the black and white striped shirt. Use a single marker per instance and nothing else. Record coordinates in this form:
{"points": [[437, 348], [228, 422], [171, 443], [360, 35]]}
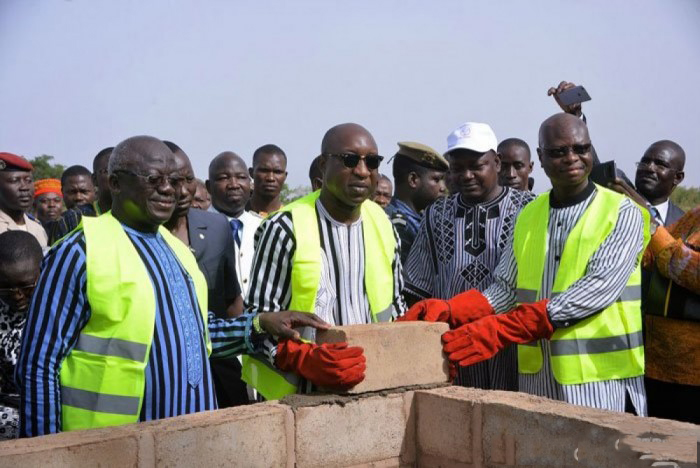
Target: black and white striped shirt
{"points": [[608, 271], [457, 248], [341, 297]]}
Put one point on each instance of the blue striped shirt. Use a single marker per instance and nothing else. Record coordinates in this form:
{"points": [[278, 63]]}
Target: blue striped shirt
{"points": [[177, 377]]}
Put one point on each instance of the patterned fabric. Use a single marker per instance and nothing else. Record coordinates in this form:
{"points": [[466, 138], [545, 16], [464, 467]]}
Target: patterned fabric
{"points": [[177, 375], [341, 297], [608, 272], [676, 251], [457, 248], [69, 220], [11, 325], [406, 223]]}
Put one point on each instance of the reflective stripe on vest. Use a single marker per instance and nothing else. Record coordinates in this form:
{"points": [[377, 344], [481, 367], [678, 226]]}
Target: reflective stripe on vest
{"points": [[379, 244], [102, 379], [607, 345]]}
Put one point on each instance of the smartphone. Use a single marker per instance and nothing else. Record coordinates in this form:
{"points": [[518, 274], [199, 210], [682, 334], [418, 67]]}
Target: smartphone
{"points": [[574, 95], [604, 173]]}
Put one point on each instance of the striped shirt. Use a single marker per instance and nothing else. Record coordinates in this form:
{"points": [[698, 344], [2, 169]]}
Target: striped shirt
{"points": [[608, 271], [177, 375], [457, 248], [341, 297]]}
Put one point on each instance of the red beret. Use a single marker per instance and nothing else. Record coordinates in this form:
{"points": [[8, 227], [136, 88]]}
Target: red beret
{"points": [[12, 162]]}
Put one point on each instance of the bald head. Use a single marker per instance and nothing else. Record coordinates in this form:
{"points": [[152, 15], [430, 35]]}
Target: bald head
{"points": [[131, 153], [229, 183], [560, 125], [337, 138], [673, 149], [224, 159]]}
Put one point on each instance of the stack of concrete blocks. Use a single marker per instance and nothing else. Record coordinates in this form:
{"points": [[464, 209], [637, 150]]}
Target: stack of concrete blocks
{"points": [[393, 419]]}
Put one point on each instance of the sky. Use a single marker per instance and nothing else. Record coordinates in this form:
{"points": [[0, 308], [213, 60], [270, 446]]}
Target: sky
{"points": [[79, 75]]}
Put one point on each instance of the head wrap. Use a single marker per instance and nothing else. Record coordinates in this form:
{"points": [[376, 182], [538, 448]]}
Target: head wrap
{"points": [[47, 186]]}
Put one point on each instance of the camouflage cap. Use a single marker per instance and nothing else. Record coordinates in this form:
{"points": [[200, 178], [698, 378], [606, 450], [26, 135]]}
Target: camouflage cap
{"points": [[423, 155]]}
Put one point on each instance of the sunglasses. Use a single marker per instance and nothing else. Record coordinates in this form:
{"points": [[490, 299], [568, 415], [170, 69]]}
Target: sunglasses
{"points": [[156, 180], [351, 160], [562, 151]]}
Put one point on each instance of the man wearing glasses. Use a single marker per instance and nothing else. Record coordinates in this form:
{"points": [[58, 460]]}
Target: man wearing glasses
{"points": [[119, 329], [333, 252], [567, 290]]}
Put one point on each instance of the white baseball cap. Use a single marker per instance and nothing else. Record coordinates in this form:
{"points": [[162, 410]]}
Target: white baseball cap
{"points": [[472, 136]]}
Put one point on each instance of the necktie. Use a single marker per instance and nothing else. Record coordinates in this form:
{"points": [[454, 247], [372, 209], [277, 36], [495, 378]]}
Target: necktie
{"points": [[657, 215], [236, 228]]}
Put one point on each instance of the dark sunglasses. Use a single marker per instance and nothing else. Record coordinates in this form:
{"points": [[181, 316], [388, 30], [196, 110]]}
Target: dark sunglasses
{"points": [[562, 151], [156, 180], [351, 160]]}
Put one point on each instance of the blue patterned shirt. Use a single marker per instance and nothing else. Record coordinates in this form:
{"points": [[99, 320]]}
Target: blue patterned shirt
{"points": [[177, 376]]}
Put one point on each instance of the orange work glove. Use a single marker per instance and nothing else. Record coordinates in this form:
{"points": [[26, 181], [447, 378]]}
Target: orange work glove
{"points": [[482, 339], [332, 365], [463, 308]]}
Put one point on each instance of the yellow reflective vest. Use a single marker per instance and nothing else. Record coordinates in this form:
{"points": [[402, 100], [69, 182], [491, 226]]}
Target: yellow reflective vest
{"points": [[102, 379], [380, 245], [607, 345]]}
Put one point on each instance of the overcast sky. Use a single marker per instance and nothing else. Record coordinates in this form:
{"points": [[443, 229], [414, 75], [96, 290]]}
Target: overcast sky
{"points": [[80, 75]]}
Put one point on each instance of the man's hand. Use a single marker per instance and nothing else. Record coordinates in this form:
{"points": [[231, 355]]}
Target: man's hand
{"points": [[574, 109], [281, 324]]}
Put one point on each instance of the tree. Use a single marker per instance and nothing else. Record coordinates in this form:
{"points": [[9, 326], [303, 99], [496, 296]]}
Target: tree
{"points": [[44, 169], [288, 195], [686, 198]]}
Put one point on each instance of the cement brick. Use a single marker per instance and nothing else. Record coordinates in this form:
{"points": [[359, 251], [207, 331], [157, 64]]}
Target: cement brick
{"points": [[398, 354], [445, 428], [249, 436], [523, 430], [366, 430], [105, 448]]}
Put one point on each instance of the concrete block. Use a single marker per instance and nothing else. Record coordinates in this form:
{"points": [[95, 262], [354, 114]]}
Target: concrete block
{"points": [[516, 429], [398, 354], [446, 428], [104, 447], [361, 431], [246, 436]]}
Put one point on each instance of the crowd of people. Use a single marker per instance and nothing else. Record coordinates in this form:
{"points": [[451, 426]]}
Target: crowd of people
{"points": [[135, 291]]}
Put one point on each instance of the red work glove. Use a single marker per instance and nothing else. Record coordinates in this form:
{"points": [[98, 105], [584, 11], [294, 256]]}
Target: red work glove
{"points": [[461, 309], [481, 340], [334, 365]]}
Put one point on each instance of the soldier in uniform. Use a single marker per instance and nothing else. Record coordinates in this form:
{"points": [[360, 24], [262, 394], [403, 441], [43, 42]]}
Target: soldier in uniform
{"points": [[419, 178]]}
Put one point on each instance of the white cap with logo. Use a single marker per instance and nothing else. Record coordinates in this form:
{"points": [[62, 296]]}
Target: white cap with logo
{"points": [[473, 136]]}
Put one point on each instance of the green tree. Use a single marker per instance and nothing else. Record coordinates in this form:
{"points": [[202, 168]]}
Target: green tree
{"points": [[288, 195], [44, 169], [686, 198]]}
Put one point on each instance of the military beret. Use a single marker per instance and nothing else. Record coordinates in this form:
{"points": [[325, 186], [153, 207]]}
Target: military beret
{"points": [[12, 162], [422, 155]]}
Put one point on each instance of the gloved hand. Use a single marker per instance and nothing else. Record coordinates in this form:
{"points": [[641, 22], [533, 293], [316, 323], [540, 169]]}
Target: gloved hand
{"points": [[463, 308], [334, 365], [482, 339]]}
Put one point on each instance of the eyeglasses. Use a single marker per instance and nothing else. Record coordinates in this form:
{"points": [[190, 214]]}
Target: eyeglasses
{"points": [[156, 180], [26, 291], [562, 151], [351, 160]]}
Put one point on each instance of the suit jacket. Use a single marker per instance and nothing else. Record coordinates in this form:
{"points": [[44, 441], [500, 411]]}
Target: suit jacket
{"points": [[673, 215], [211, 242]]}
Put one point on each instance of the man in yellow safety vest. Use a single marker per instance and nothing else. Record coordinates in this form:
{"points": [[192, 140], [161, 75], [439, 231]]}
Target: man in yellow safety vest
{"points": [[333, 252], [568, 291]]}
